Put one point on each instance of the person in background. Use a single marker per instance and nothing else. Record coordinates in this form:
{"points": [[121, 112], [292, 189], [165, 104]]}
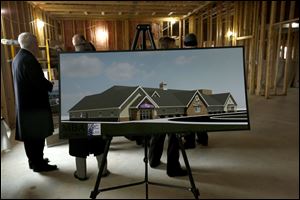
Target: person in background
{"points": [[33, 113], [81, 148], [190, 41], [80, 43], [157, 141]]}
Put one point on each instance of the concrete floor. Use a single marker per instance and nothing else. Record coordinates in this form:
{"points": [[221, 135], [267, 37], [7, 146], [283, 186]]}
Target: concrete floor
{"points": [[262, 163]]}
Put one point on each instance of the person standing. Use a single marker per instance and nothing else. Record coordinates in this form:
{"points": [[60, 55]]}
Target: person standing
{"points": [[33, 112], [81, 148], [190, 41], [157, 141]]}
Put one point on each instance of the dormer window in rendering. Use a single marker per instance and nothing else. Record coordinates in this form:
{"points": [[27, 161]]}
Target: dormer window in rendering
{"points": [[126, 103]]}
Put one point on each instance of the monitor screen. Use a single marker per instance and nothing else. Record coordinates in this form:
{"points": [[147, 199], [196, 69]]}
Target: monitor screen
{"points": [[152, 91]]}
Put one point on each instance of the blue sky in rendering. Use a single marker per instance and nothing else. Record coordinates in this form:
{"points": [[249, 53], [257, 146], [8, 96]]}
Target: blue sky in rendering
{"points": [[218, 69]]}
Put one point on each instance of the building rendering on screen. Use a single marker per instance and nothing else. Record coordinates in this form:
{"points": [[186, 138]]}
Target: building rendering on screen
{"points": [[124, 103]]}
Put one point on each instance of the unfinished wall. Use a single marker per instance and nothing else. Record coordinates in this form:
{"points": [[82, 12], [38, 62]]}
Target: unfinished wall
{"points": [[18, 17], [106, 34], [271, 46]]}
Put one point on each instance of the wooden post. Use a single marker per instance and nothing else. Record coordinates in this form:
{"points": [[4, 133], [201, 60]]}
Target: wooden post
{"points": [[252, 52], [261, 48], [115, 34], [288, 53], [200, 30], [269, 49], [6, 75], [218, 24], [235, 22], [17, 16], [126, 35], [240, 18], [282, 11], [180, 33], [31, 25], [84, 29], [62, 26], [23, 15], [210, 19], [192, 24]]}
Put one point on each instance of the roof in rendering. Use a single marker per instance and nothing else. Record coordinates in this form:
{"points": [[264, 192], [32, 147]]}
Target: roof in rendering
{"points": [[116, 96]]}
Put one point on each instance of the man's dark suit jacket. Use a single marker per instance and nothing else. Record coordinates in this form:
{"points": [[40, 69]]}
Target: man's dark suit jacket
{"points": [[33, 112]]}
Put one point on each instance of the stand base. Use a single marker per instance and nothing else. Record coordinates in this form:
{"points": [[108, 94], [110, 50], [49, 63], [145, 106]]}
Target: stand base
{"points": [[193, 188]]}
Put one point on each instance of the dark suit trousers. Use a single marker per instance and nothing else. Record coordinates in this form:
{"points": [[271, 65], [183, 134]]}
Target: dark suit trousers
{"points": [[34, 149], [156, 149]]}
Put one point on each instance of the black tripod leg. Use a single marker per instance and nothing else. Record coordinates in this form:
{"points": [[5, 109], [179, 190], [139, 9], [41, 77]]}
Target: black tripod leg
{"points": [[146, 165], [195, 191], [151, 39], [136, 37], [96, 188]]}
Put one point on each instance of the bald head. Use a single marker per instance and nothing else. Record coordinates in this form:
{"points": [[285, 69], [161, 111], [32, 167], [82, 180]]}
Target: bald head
{"points": [[78, 39], [28, 41]]}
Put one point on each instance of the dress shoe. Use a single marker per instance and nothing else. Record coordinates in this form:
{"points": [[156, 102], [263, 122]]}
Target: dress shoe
{"points": [[189, 146], [177, 172], [46, 160], [154, 164], [203, 142], [106, 173], [81, 179], [44, 167]]}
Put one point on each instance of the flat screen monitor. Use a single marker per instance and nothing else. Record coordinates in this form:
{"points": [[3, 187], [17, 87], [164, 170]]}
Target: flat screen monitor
{"points": [[123, 93]]}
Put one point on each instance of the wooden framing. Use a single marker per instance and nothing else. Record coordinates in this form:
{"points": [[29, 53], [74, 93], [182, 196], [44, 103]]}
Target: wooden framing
{"points": [[282, 10], [261, 48], [261, 39], [288, 45], [270, 37]]}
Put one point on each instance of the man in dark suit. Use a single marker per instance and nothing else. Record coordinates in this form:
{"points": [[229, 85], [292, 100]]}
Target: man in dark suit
{"points": [[80, 148], [157, 141], [190, 41], [33, 113]]}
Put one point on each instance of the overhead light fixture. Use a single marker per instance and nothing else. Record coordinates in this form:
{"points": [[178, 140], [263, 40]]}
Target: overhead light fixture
{"points": [[153, 13], [102, 35], [120, 13], [3, 11], [40, 23], [173, 21], [102, 13], [86, 13], [231, 34], [294, 25]]}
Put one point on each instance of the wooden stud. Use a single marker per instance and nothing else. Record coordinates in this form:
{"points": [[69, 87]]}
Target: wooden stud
{"points": [[116, 35], [183, 27], [261, 48], [84, 30], [252, 48], [180, 33], [200, 30], [30, 18], [17, 17], [10, 22], [240, 18], [6, 74], [126, 35], [269, 49], [210, 36], [294, 82], [23, 15], [288, 53], [282, 11], [45, 28], [235, 21]]}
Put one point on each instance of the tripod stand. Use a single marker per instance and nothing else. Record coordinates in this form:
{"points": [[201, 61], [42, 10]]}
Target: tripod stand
{"points": [[144, 28]]}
